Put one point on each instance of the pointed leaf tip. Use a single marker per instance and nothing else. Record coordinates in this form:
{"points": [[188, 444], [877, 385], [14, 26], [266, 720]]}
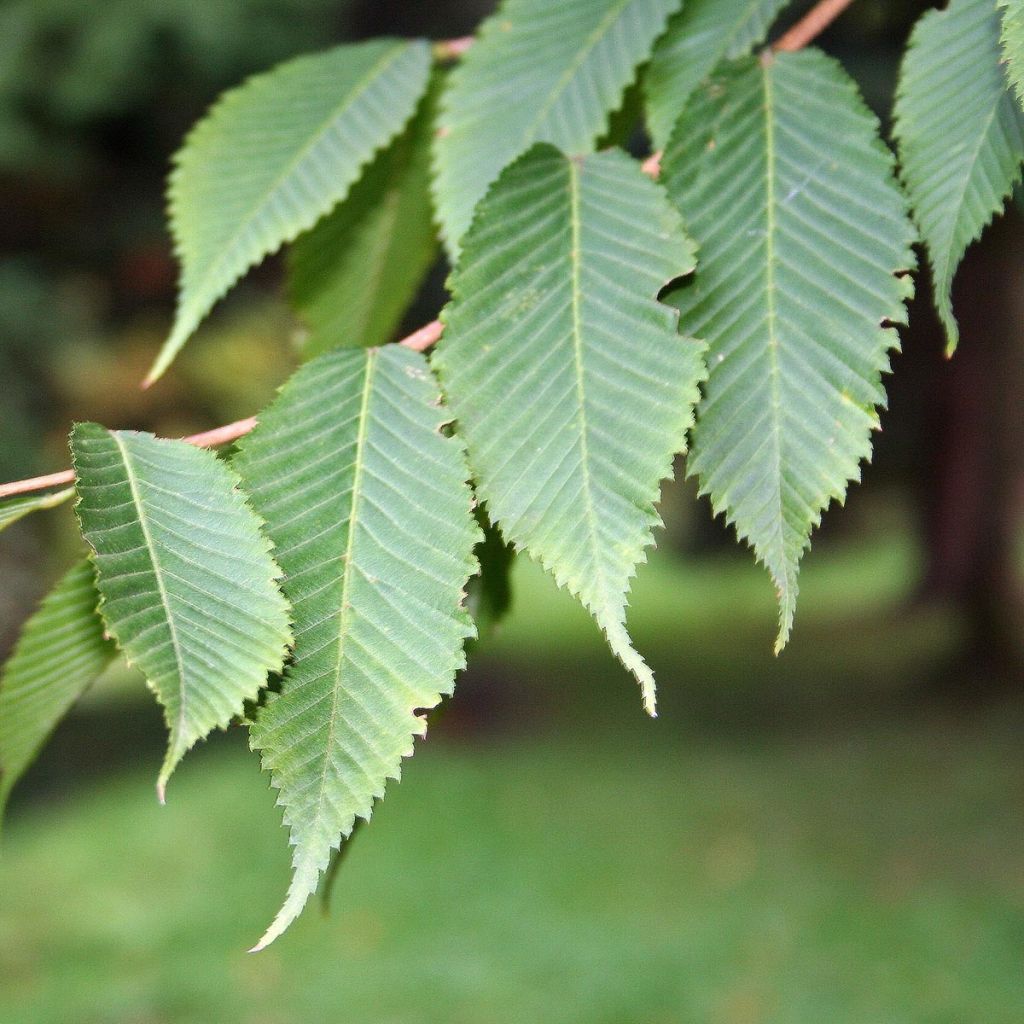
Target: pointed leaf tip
{"points": [[241, 185], [186, 580], [381, 520], [960, 133], [550, 288], [796, 354]]}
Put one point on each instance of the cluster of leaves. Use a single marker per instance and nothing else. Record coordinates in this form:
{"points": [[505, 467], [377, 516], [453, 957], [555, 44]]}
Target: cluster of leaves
{"points": [[313, 585]]}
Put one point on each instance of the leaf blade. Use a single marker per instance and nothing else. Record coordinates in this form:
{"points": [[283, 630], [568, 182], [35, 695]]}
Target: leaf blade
{"points": [[13, 510], [698, 37], [960, 134], [777, 168], [275, 155], [61, 651], [1012, 40], [566, 376], [353, 275], [375, 535], [186, 578], [538, 72]]}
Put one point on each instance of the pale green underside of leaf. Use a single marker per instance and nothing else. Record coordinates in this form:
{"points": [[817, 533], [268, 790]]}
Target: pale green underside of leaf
{"points": [[567, 378], [186, 578], [352, 277], [538, 72], [276, 154], [17, 508], [697, 39], [781, 177], [960, 136], [368, 505], [60, 653], [1013, 43]]}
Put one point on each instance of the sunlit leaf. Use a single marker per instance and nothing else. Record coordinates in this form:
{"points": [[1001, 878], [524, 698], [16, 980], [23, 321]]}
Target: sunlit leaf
{"points": [[781, 176], [276, 154], [538, 72], [566, 376], [186, 578], [367, 503]]}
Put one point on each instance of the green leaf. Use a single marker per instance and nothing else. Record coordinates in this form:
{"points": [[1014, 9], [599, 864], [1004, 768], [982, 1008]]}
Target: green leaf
{"points": [[698, 38], [1013, 43], [780, 174], [960, 133], [489, 593], [276, 154], [185, 576], [538, 72], [352, 277], [367, 503], [17, 508], [565, 374], [61, 652]]}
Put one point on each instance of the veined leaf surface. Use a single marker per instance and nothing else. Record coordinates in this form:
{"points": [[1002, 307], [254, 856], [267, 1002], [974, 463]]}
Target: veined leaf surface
{"points": [[538, 72], [1013, 43], [276, 154], [61, 652], [961, 136], [353, 276], [17, 508], [186, 578], [780, 174], [702, 34], [368, 506], [567, 378]]}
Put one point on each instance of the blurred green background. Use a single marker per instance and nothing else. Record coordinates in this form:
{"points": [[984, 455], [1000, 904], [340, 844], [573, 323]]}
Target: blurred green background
{"points": [[834, 836]]}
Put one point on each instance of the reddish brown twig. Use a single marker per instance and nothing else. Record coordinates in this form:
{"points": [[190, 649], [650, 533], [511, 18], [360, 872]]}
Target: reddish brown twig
{"points": [[452, 49], [803, 32], [811, 25], [419, 341]]}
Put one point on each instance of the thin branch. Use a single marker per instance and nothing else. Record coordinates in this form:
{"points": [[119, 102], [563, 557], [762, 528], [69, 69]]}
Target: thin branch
{"points": [[419, 341], [803, 32], [452, 49], [37, 483], [811, 25]]}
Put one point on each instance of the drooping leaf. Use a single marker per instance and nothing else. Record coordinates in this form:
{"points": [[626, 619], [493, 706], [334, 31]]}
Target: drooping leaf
{"points": [[61, 652], [352, 277], [1013, 43], [368, 506], [961, 136], [780, 174], [186, 578], [566, 376], [697, 39], [17, 508], [276, 154], [538, 72]]}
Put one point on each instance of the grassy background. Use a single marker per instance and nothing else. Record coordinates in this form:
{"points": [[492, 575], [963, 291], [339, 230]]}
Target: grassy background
{"points": [[801, 841]]}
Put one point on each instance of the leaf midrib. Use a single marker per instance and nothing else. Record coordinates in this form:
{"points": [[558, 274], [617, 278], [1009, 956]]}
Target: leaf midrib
{"points": [[576, 260], [956, 226], [772, 312], [315, 137], [344, 612], [133, 485], [591, 41]]}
